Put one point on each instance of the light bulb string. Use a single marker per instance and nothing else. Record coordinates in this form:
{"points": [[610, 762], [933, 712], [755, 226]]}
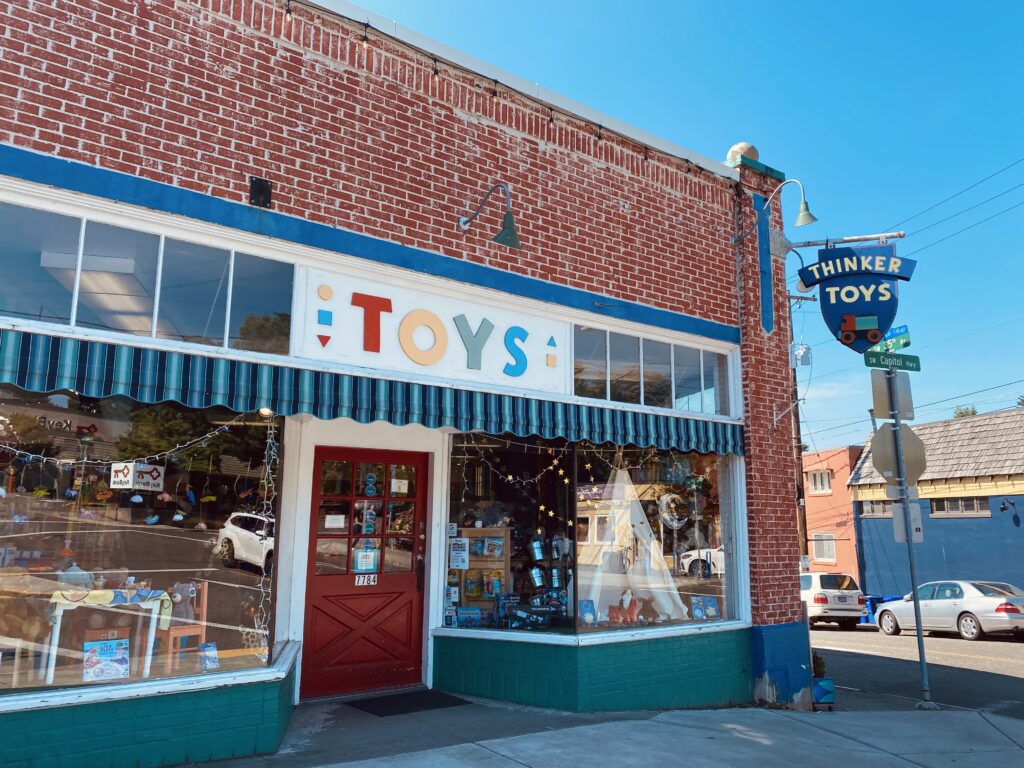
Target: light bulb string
{"points": [[181, 448]]}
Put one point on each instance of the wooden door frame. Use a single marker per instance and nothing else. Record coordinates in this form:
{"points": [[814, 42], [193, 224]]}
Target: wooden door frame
{"points": [[423, 460]]}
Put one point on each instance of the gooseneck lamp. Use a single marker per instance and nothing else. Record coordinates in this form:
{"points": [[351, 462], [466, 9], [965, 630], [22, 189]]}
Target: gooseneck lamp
{"points": [[802, 219], [507, 235]]}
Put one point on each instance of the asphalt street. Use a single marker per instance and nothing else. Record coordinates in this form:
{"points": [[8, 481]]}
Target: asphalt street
{"points": [[987, 675]]}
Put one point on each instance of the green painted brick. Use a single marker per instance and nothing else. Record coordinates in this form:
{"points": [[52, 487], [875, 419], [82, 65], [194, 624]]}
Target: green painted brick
{"points": [[234, 721], [688, 671]]}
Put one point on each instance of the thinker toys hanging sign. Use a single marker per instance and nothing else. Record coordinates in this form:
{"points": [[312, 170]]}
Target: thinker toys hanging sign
{"points": [[858, 293]]}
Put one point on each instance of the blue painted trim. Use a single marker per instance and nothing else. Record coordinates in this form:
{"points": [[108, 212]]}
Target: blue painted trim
{"points": [[764, 260], [781, 653], [125, 188]]}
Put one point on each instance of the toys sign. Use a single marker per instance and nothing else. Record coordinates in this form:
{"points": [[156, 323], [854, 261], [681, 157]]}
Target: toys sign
{"points": [[133, 476], [858, 293]]}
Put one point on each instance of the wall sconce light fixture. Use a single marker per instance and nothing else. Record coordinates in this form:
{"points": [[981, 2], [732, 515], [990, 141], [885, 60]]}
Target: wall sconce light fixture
{"points": [[507, 235]]}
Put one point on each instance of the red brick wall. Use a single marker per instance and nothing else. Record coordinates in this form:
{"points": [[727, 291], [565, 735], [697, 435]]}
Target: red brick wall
{"points": [[204, 94]]}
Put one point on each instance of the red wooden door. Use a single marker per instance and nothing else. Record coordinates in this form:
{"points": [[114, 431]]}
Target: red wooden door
{"points": [[364, 593]]}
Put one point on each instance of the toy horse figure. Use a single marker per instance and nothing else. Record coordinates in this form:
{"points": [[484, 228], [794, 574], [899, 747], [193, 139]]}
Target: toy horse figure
{"points": [[647, 610]]}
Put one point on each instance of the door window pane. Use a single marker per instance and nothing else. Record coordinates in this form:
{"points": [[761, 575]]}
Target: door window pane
{"points": [[400, 516], [398, 556], [687, 373], [926, 591], [334, 516], [336, 478], [402, 481], [118, 280], [365, 555], [657, 374], [369, 479], [367, 518], [716, 393], [261, 305], [625, 367], [332, 556], [590, 364], [38, 253], [193, 293]]}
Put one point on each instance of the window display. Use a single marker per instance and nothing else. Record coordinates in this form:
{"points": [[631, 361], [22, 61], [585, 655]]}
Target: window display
{"points": [[135, 541], [574, 537]]}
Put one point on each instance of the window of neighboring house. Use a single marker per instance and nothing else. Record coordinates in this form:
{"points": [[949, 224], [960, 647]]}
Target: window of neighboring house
{"points": [[824, 546], [820, 481], [963, 506], [881, 508]]}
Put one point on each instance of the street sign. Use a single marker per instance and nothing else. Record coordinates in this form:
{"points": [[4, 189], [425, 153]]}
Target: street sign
{"points": [[883, 454], [896, 330], [887, 360], [892, 343], [880, 395], [893, 492], [899, 528]]}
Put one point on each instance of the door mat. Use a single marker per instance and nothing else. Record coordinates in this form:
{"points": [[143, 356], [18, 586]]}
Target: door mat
{"points": [[407, 703]]}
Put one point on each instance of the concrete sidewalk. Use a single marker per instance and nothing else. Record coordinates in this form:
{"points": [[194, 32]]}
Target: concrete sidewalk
{"points": [[489, 735]]}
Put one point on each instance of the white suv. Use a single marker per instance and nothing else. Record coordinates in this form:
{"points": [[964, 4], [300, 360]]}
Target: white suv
{"points": [[247, 538], [833, 597]]}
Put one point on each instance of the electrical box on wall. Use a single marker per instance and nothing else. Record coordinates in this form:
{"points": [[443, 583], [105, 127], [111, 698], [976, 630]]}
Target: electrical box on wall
{"points": [[260, 192]]}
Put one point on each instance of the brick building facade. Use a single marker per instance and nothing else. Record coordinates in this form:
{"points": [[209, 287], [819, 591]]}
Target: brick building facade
{"points": [[375, 141]]}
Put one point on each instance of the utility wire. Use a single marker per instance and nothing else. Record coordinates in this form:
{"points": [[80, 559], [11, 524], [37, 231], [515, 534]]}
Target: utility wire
{"points": [[965, 189], [971, 226], [965, 210], [934, 402]]}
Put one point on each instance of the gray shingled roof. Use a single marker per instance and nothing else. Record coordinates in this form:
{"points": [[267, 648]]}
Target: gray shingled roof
{"points": [[971, 446]]}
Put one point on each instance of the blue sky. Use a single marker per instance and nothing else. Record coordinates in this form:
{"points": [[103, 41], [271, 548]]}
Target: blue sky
{"points": [[881, 110]]}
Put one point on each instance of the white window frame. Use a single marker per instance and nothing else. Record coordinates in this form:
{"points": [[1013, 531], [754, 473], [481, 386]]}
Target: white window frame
{"points": [[819, 482], [302, 257], [978, 511], [823, 537]]}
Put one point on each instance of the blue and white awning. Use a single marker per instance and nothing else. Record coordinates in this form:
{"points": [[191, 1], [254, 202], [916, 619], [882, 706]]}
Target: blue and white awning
{"points": [[41, 363]]}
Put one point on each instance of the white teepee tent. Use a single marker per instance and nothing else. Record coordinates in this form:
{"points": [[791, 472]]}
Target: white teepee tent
{"points": [[624, 554]]}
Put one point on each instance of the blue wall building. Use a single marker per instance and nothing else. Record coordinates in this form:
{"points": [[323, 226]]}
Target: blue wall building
{"points": [[972, 507]]}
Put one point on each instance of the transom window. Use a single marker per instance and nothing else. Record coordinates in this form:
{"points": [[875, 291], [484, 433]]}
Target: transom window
{"points": [[83, 273], [967, 506], [630, 369], [881, 508]]}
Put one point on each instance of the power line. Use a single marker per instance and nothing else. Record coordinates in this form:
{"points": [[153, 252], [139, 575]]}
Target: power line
{"points": [[965, 210], [971, 226], [934, 402], [965, 189]]}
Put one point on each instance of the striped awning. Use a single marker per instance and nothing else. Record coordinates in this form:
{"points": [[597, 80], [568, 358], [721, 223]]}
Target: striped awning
{"points": [[41, 363]]}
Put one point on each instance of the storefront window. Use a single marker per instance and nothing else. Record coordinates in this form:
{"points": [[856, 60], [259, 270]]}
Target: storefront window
{"points": [[193, 293], [111, 572], [118, 279], [261, 302], [651, 539], [38, 253], [624, 355], [657, 374], [572, 537], [591, 362], [124, 275]]}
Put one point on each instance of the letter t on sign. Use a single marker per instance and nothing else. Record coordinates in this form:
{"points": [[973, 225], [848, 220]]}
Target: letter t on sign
{"points": [[372, 307]]}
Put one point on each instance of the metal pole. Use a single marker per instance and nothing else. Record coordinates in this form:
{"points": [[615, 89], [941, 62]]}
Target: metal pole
{"points": [[894, 414]]}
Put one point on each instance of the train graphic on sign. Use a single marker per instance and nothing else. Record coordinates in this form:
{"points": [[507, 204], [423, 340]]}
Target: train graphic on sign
{"points": [[855, 327]]}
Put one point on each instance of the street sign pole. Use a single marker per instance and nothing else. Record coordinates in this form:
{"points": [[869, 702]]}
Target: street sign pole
{"points": [[894, 414]]}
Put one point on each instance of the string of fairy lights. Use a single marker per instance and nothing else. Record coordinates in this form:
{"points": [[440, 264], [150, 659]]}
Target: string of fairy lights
{"points": [[558, 469], [266, 509]]}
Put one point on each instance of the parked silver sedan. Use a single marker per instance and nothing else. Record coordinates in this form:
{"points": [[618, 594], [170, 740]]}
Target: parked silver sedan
{"points": [[972, 608]]}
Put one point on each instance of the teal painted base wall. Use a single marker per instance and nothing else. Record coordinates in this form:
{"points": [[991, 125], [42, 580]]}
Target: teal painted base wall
{"points": [[214, 724], [698, 670]]}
